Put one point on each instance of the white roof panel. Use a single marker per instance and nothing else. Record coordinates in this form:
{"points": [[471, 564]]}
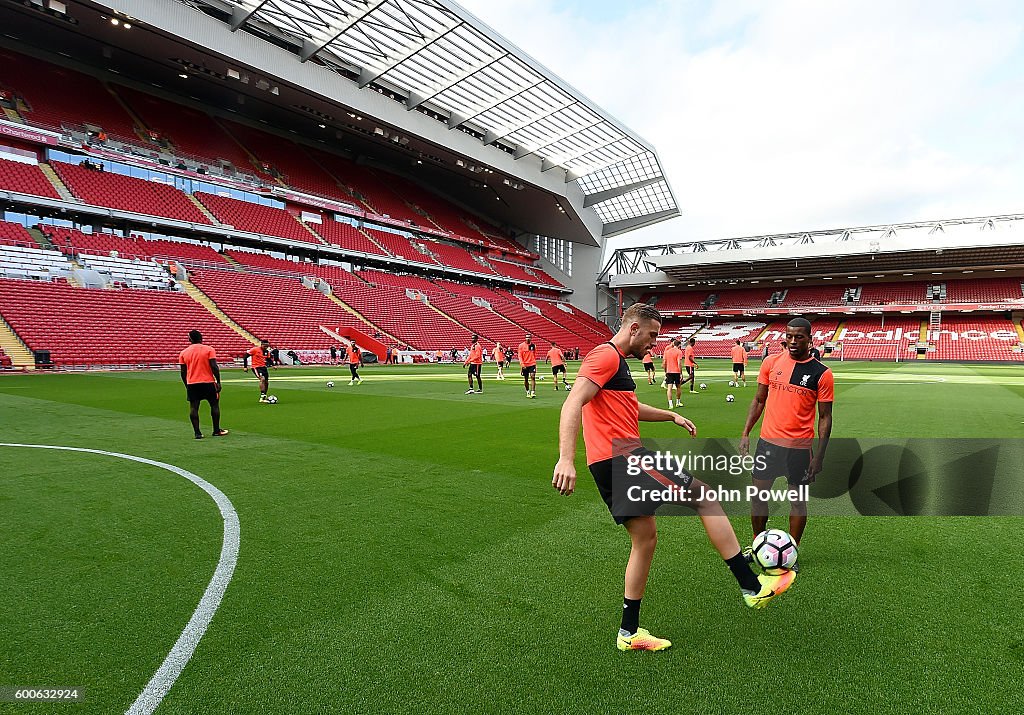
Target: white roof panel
{"points": [[443, 56]]}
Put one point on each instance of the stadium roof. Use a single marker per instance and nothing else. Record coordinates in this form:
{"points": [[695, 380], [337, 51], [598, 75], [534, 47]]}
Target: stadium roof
{"points": [[445, 59], [992, 242]]}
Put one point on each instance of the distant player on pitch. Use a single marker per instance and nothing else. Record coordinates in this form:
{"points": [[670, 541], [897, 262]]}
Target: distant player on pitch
{"points": [[475, 361], [355, 361], [528, 366], [557, 360], [739, 363], [257, 358], [201, 375]]}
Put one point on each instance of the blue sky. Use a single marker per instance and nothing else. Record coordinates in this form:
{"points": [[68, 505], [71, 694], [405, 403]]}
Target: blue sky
{"points": [[786, 115]]}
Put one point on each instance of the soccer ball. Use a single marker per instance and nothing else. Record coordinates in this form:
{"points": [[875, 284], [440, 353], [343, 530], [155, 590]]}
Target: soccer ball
{"points": [[774, 551], [703, 386], [330, 384], [730, 398], [272, 399], [732, 383]]}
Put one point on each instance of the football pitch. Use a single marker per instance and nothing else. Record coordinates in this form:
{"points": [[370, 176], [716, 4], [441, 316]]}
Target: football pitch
{"points": [[400, 549]]}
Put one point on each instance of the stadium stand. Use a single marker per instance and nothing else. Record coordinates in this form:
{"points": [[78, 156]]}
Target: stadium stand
{"points": [[284, 160], [109, 327], [399, 246], [25, 179], [894, 293], [14, 234], [990, 290], [253, 259], [975, 338], [81, 98], [277, 308], [755, 298], [380, 278], [190, 131], [73, 242], [131, 272], [36, 263], [117, 191], [412, 321], [366, 187], [458, 257], [256, 218], [869, 339], [813, 296], [486, 323], [347, 236]]}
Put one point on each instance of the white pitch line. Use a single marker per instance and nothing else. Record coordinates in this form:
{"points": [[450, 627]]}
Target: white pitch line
{"points": [[159, 685]]}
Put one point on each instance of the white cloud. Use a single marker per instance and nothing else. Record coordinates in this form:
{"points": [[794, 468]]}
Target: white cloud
{"points": [[796, 114]]}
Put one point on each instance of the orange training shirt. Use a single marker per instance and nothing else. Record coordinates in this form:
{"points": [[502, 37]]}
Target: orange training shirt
{"points": [[527, 357], [256, 357], [671, 359], [476, 355], [794, 388], [556, 357], [739, 355], [196, 359], [611, 421]]}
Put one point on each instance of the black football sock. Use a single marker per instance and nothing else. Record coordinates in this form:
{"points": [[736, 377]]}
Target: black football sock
{"points": [[741, 570], [630, 615]]}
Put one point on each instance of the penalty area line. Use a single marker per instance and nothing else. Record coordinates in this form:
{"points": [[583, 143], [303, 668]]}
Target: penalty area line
{"points": [[160, 684]]}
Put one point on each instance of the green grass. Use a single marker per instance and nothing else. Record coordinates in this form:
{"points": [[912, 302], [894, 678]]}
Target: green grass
{"points": [[402, 551]]}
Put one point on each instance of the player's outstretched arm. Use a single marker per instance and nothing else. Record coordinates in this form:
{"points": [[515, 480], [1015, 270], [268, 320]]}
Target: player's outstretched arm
{"points": [[653, 414], [564, 478], [753, 415]]}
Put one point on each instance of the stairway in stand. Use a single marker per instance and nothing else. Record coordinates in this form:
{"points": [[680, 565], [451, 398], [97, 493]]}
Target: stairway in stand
{"points": [[207, 302], [15, 349]]}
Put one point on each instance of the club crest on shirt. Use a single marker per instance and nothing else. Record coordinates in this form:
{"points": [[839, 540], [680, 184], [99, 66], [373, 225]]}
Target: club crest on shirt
{"points": [[804, 379]]}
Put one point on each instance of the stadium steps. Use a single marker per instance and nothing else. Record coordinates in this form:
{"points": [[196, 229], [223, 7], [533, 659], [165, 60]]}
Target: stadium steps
{"points": [[205, 211], [370, 239], [438, 310], [308, 156], [18, 351], [356, 314], [40, 238], [313, 233], [1020, 330], [137, 124], [253, 159], [57, 183], [839, 329], [207, 302]]}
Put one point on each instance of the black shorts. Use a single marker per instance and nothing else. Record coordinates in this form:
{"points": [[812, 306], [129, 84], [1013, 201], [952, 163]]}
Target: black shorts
{"points": [[474, 369], [555, 369], [788, 462], [648, 367], [262, 372], [672, 378], [689, 370], [530, 370], [737, 367], [353, 366], [622, 509], [199, 391]]}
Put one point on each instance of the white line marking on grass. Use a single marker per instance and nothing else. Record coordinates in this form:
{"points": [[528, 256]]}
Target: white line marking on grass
{"points": [[159, 685]]}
